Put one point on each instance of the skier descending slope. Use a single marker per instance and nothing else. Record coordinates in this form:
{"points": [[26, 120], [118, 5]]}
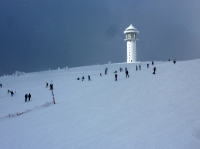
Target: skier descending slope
{"points": [[89, 78], [115, 77], [127, 75], [154, 70], [26, 97]]}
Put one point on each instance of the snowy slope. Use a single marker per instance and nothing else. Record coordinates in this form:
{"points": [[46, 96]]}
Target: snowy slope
{"points": [[144, 111]]}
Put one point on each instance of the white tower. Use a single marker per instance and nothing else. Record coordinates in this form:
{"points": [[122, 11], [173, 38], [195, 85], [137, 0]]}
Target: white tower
{"points": [[131, 33]]}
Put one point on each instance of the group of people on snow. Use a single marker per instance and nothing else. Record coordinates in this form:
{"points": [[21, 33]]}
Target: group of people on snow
{"points": [[27, 97], [174, 61], [137, 67], [126, 71], [83, 78], [11, 93], [50, 86]]}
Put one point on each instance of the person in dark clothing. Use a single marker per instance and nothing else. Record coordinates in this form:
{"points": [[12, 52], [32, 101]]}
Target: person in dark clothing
{"points": [[115, 77], [154, 70], [47, 84], [136, 68], [147, 65], [89, 78], [152, 62], [168, 60], [83, 78], [100, 74], [11, 92], [174, 61], [78, 78], [51, 86], [127, 75], [139, 67], [29, 96], [0, 85], [26, 97], [106, 70]]}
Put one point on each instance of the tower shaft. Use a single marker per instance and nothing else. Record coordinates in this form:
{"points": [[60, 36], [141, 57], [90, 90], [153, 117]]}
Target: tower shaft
{"points": [[131, 33], [131, 51]]}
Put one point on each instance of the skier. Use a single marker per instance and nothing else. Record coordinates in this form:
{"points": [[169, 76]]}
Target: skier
{"points": [[106, 71], [0, 85], [147, 65], [174, 61], [168, 60], [136, 68], [78, 78], [89, 78], [51, 86], [26, 97], [127, 75], [115, 77], [47, 84], [83, 78], [152, 62], [29, 96], [100, 74], [11, 92], [154, 70]]}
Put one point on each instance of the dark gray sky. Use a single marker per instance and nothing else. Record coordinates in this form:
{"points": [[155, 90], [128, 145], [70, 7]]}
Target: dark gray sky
{"points": [[37, 35]]}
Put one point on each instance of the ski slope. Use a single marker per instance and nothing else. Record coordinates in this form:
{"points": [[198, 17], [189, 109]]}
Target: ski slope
{"points": [[145, 111]]}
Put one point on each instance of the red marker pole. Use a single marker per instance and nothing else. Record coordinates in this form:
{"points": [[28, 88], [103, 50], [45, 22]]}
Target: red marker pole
{"points": [[53, 98]]}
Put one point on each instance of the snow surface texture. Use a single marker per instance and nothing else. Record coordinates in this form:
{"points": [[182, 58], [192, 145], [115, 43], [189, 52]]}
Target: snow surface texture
{"points": [[145, 111]]}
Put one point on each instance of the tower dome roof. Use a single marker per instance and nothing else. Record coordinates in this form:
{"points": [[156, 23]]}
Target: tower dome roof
{"points": [[131, 29]]}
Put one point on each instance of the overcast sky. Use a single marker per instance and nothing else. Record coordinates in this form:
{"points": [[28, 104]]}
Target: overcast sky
{"points": [[39, 35]]}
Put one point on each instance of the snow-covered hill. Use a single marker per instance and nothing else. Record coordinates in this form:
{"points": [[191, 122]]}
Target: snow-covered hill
{"points": [[144, 111]]}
